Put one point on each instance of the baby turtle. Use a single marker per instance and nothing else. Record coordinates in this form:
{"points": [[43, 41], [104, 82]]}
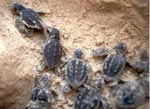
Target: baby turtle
{"points": [[53, 50], [27, 20], [40, 94], [114, 63], [89, 98], [76, 71], [142, 65], [129, 95]]}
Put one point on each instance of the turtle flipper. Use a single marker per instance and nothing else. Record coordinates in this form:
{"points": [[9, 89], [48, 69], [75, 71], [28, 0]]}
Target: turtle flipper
{"points": [[42, 12], [104, 102], [100, 52], [20, 25], [22, 28], [41, 66], [29, 32]]}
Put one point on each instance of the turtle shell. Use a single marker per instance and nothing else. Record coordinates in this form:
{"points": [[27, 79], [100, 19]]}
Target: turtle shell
{"points": [[87, 98], [76, 72], [130, 95], [31, 19], [113, 65], [53, 53]]}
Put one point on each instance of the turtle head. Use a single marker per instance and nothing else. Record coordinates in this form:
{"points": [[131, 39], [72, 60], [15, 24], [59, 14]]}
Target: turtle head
{"points": [[46, 77], [144, 55], [42, 95], [18, 7], [78, 53], [54, 33], [120, 48], [35, 93]]}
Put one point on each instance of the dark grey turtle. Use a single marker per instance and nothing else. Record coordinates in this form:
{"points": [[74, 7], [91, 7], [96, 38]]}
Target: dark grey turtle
{"points": [[40, 93], [27, 20], [89, 98], [76, 71], [129, 95], [113, 65], [115, 62], [42, 87], [53, 50], [142, 65]]}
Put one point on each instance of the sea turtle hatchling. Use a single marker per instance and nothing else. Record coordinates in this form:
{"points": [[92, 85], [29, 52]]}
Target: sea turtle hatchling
{"points": [[114, 63], [27, 20], [142, 65], [40, 93], [130, 95], [53, 51], [76, 71], [89, 98]]}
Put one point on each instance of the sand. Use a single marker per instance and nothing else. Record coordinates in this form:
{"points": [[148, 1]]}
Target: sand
{"points": [[86, 24]]}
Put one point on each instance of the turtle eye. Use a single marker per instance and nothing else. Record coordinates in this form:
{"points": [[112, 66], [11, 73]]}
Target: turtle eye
{"points": [[49, 30], [95, 102]]}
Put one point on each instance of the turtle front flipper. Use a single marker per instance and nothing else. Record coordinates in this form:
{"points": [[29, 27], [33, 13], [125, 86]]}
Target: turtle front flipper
{"points": [[100, 52], [22, 28], [58, 70], [114, 82], [42, 12], [104, 102], [139, 66], [142, 65], [41, 66]]}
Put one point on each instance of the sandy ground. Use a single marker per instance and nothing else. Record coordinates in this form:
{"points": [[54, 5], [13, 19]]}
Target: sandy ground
{"points": [[88, 24]]}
